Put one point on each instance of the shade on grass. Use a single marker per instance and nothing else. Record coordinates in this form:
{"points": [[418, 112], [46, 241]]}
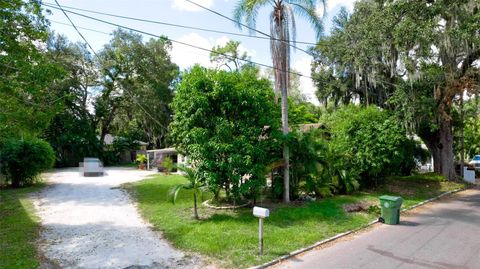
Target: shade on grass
{"points": [[18, 229], [230, 237]]}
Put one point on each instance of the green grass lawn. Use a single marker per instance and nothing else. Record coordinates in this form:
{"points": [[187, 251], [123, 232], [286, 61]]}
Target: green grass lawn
{"points": [[230, 237], [18, 229]]}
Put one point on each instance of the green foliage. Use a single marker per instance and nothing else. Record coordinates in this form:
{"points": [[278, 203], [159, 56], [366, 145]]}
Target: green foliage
{"points": [[136, 87], [129, 86], [23, 160], [72, 139], [471, 125], [167, 163], [282, 32], [222, 122], [387, 53], [195, 183], [371, 143], [228, 55], [141, 159], [302, 112], [26, 73], [318, 168]]}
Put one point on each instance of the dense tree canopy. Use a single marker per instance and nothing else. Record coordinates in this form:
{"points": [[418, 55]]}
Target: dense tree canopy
{"points": [[137, 87], [415, 57], [26, 75]]}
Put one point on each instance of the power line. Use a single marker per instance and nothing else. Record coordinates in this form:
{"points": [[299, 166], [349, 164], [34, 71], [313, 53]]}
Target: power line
{"points": [[172, 24], [96, 55], [79, 27], [248, 27], [182, 43], [76, 29]]}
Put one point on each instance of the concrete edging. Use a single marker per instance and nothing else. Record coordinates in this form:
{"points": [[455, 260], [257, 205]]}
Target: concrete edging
{"points": [[340, 235]]}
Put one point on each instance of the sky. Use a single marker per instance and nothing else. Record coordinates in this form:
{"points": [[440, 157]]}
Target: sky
{"points": [[184, 13]]}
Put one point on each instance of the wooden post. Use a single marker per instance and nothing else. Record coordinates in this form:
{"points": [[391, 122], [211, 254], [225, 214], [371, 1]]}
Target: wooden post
{"points": [[260, 236]]}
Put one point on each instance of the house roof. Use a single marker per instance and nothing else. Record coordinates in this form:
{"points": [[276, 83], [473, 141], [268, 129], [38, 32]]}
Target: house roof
{"points": [[164, 150]]}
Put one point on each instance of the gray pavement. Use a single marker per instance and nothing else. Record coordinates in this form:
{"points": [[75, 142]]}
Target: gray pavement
{"points": [[444, 234]]}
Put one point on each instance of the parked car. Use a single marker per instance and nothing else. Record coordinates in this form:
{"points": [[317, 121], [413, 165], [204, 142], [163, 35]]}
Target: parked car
{"points": [[476, 162]]}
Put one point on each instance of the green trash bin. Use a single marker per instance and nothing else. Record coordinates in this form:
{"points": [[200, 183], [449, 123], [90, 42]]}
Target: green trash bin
{"points": [[390, 206]]}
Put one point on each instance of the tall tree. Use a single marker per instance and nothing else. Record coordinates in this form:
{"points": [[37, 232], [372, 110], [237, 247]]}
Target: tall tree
{"points": [[282, 33], [72, 132], [415, 57], [26, 103], [137, 87]]}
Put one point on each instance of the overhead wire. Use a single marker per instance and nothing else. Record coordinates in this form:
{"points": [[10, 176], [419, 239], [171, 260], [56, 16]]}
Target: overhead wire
{"points": [[76, 29], [96, 55], [181, 42], [176, 41], [287, 42], [196, 47], [79, 27], [172, 24]]}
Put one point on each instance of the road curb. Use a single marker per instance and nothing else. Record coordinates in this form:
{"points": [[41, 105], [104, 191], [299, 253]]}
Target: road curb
{"points": [[340, 235]]}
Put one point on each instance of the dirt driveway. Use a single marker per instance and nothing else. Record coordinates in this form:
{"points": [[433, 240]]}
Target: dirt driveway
{"points": [[90, 223]]}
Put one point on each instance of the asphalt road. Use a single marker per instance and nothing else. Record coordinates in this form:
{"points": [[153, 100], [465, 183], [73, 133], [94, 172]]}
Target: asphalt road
{"points": [[441, 235]]}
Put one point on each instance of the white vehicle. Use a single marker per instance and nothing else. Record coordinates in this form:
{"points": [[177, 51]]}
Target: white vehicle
{"points": [[476, 162]]}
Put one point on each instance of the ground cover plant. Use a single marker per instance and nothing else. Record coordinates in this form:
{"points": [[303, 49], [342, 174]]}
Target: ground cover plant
{"points": [[230, 237], [18, 229]]}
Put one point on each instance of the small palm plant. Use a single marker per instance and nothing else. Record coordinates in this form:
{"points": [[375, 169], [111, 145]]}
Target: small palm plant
{"points": [[194, 183], [168, 164]]}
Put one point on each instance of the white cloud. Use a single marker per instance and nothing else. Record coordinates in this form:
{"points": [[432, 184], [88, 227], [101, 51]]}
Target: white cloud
{"points": [[303, 66], [331, 5], [187, 6], [185, 56]]}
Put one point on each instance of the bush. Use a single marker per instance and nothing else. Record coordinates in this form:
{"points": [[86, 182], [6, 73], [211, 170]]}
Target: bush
{"points": [[141, 158], [23, 160], [317, 168], [167, 163], [222, 121], [371, 143]]}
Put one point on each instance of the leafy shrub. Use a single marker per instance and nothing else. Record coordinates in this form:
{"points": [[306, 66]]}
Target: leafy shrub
{"points": [[141, 159], [371, 142], [167, 163], [222, 121], [318, 168], [23, 160]]}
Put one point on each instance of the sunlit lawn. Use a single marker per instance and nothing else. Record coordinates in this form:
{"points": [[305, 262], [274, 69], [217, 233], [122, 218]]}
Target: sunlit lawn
{"points": [[230, 237], [18, 229]]}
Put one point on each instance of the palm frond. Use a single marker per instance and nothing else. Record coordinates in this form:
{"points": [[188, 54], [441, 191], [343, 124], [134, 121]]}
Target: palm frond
{"points": [[247, 11], [310, 14], [173, 192]]}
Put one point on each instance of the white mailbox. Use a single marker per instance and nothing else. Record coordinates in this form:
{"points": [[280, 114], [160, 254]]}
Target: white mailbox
{"points": [[260, 212]]}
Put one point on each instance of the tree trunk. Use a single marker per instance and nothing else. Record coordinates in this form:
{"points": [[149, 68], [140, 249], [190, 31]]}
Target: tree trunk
{"points": [[195, 213], [447, 168], [286, 150], [440, 145]]}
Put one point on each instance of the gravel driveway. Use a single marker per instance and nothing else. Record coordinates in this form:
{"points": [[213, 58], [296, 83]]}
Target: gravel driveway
{"points": [[89, 223]]}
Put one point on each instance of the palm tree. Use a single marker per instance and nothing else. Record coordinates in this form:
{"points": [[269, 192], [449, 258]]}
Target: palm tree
{"points": [[282, 32], [194, 183]]}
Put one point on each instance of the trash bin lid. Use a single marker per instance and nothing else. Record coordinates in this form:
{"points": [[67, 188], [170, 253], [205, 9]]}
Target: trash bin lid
{"points": [[391, 198]]}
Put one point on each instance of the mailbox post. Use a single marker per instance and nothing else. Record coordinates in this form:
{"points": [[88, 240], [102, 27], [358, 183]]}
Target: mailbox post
{"points": [[261, 213]]}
